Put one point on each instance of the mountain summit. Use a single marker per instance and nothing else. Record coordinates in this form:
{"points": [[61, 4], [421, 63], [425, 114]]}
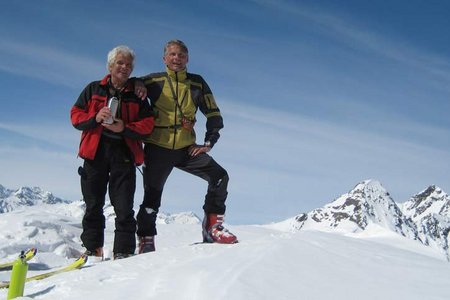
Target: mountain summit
{"points": [[425, 217], [367, 204], [430, 210], [430, 201]]}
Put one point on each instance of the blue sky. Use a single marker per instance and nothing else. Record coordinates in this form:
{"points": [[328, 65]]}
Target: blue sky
{"points": [[316, 95]]}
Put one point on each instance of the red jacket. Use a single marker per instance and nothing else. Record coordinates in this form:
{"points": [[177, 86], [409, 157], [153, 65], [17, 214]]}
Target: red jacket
{"points": [[135, 113]]}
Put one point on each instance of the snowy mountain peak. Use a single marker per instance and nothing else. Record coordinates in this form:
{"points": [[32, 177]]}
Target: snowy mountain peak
{"points": [[430, 201], [370, 184], [368, 203], [430, 210], [35, 193], [368, 192], [4, 192], [25, 196]]}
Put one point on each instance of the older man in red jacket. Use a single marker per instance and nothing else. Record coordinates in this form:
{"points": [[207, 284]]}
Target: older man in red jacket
{"points": [[111, 150]]}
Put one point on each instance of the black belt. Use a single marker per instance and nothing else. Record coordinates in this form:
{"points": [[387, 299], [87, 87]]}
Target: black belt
{"points": [[169, 127], [111, 137]]}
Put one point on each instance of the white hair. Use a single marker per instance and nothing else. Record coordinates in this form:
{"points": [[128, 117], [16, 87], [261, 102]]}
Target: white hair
{"points": [[122, 49]]}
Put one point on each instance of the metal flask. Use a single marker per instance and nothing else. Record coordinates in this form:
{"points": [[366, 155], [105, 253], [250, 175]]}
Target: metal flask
{"points": [[113, 104]]}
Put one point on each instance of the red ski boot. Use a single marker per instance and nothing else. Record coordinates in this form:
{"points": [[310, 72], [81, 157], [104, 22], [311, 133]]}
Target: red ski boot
{"points": [[214, 232]]}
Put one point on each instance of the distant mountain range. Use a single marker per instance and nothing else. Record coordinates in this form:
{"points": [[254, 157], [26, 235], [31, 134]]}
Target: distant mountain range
{"points": [[425, 217], [25, 196]]}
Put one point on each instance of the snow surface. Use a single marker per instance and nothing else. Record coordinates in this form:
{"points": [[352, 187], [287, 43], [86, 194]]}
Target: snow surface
{"points": [[269, 262]]}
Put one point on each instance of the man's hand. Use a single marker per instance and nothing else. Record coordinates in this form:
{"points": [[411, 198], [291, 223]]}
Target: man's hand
{"points": [[140, 90], [117, 126], [103, 114], [195, 149]]}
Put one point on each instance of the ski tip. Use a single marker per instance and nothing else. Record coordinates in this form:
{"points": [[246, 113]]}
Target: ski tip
{"points": [[83, 258], [33, 251], [30, 253]]}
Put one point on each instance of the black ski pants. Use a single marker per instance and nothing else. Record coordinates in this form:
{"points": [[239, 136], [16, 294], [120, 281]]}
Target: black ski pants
{"points": [[159, 163], [113, 164]]}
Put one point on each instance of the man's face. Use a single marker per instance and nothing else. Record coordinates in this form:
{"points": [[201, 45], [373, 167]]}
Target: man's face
{"points": [[121, 69], [175, 59]]}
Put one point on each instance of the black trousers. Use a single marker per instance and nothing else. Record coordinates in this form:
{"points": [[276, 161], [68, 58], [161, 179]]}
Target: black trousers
{"points": [[159, 163], [113, 164]]}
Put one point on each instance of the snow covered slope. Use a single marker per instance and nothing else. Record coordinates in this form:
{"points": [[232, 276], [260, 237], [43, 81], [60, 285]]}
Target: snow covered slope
{"points": [[266, 264], [378, 260]]}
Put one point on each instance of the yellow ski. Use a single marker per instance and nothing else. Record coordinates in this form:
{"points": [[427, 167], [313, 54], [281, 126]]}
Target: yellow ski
{"points": [[29, 254], [73, 266]]}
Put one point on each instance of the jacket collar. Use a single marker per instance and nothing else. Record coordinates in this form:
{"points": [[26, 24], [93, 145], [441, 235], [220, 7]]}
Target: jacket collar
{"points": [[180, 75], [129, 86]]}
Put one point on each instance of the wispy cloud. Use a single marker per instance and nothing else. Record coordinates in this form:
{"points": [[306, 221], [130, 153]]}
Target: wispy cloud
{"points": [[61, 135], [56, 66], [347, 32]]}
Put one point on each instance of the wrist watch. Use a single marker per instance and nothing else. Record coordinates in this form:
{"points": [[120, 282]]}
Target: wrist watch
{"points": [[207, 144]]}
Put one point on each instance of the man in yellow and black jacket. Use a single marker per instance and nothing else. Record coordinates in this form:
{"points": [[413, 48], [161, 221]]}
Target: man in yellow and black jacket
{"points": [[175, 96]]}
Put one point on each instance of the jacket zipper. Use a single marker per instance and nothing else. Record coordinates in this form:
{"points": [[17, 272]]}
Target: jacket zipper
{"points": [[175, 116]]}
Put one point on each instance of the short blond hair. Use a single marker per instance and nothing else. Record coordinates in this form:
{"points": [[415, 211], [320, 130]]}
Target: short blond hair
{"points": [[122, 49], [179, 43]]}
